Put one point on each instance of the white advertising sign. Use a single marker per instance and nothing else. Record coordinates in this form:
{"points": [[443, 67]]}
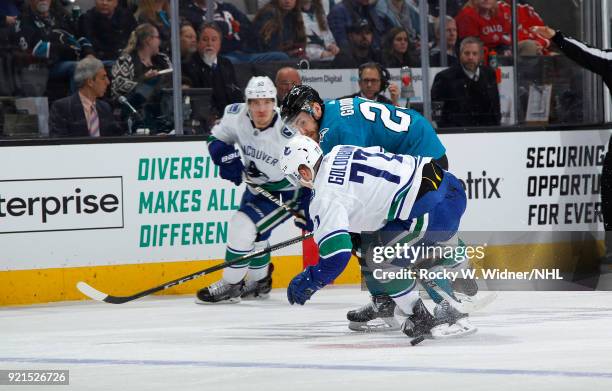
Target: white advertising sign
{"points": [[60, 204], [153, 202], [536, 181], [104, 204]]}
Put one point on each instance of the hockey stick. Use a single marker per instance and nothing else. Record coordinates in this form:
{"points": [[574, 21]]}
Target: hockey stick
{"points": [[271, 197], [95, 294]]}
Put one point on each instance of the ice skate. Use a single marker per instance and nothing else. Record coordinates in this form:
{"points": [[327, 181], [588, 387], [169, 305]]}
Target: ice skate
{"points": [[220, 292], [450, 322], [418, 325], [258, 289], [381, 307]]}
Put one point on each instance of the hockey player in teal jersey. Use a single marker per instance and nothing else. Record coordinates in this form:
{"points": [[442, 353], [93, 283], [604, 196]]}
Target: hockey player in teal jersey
{"points": [[364, 123], [361, 122]]}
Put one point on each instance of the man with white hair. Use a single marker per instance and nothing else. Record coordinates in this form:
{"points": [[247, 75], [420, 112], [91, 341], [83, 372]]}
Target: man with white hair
{"points": [[82, 114], [256, 128]]}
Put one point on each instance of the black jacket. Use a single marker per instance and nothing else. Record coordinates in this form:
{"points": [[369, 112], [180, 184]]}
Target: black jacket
{"points": [[222, 80], [593, 59], [235, 25], [349, 59], [53, 38], [467, 102], [107, 35], [67, 118]]}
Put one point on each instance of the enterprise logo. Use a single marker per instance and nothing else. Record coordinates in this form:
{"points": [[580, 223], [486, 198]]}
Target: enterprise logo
{"points": [[60, 204]]}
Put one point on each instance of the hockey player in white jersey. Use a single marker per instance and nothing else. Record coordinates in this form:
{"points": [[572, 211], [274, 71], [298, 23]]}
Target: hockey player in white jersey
{"points": [[364, 189], [254, 127]]}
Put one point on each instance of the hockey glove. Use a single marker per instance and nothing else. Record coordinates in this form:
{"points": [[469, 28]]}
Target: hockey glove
{"points": [[303, 286], [228, 159]]}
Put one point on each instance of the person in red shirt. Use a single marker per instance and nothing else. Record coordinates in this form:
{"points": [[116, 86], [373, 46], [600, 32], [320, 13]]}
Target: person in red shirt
{"points": [[483, 19], [527, 18]]}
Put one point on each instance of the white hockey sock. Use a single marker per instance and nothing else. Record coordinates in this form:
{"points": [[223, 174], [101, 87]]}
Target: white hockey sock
{"points": [[407, 301], [258, 274], [241, 237], [234, 275]]}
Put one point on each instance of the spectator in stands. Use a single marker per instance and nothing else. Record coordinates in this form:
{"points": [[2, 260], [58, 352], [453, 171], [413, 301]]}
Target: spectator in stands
{"points": [[320, 44], [435, 54], [468, 90], [239, 40], [207, 69], [402, 14], [373, 81], [360, 48], [530, 47], [83, 114], [108, 28], [8, 13], [482, 19], [286, 78], [189, 42], [135, 73], [279, 27], [48, 34], [397, 51], [349, 12], [527, 19], [452, 7], [157, 13]]}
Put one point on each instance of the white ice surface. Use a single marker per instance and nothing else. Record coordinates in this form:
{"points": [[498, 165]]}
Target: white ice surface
{"points": [[526, 341]]}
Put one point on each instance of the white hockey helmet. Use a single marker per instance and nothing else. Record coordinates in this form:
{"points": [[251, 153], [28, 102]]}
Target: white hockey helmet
{"points": [[260, 87], [300, 150]]}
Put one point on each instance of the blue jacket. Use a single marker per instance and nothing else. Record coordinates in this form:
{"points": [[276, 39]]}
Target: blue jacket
{"points": [[345, 14]]}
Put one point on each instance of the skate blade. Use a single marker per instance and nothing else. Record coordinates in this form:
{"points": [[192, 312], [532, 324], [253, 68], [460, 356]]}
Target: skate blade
{"points": [[388, 324], [476, 303], [251, 297], [233, 300], [460, 329]]}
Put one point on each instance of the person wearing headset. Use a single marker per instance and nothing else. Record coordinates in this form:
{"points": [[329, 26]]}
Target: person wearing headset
{"points": [[373, 81]]}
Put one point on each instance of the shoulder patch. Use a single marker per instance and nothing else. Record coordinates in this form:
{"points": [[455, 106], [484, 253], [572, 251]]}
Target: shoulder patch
{"points": [[233, 109], [286, 132], [322, 133]]}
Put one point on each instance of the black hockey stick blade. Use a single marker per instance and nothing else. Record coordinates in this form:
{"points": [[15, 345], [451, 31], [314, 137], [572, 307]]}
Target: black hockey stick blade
{"points": [[95, 294], [417, 340]]}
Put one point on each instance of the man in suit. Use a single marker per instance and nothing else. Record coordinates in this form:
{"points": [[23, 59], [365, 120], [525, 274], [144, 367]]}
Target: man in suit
{"points": [[468, 90], [82, 114], [207, 69]]}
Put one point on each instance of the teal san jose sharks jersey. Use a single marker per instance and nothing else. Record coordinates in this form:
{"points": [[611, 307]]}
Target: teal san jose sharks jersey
{"points": [[365, 123]]}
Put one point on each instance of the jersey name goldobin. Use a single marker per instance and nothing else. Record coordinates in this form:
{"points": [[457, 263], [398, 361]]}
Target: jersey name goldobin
{"points": [[361, 189]]}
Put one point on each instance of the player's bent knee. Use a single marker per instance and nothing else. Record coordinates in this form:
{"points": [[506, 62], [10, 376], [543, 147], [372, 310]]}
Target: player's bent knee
{"points": [[241, 232]]}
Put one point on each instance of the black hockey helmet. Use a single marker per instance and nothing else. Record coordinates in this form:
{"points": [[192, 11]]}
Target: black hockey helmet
{"points": [[297, 100]]}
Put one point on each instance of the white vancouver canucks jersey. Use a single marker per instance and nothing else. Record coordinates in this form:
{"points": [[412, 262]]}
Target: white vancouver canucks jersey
{"points": [[261, 149], [361, 189]]}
